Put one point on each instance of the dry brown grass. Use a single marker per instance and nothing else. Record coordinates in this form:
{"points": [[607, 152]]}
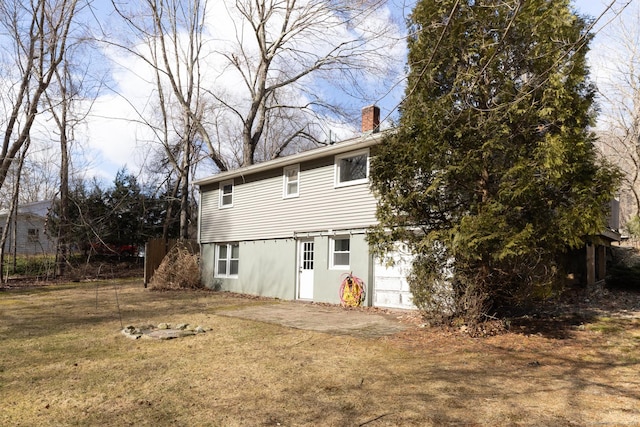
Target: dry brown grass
{"points": [[63, 361]]}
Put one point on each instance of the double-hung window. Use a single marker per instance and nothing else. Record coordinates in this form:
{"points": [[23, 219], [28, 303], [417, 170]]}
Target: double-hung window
{"points": [[226, 194], [340, 252], [352, 168], [291, 178], [227, 259]]}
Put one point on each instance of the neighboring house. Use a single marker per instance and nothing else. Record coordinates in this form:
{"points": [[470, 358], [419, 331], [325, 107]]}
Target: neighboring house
{"points": [[29, 236], [291, 228]]}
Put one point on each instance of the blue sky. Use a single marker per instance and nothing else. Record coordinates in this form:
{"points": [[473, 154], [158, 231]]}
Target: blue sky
{"points": [[590, 7]]}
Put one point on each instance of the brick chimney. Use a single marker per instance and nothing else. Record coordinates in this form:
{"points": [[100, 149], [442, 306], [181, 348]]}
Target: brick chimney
{"points": [[370, 119]]}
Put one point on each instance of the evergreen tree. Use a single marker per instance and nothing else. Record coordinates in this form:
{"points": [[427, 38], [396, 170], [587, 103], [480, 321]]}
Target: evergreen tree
{"points": [[492, 172], [124, 214], [126, 205]]}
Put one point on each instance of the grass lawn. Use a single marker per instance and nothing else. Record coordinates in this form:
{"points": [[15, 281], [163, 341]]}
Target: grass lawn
{"points": [[63, 361]]}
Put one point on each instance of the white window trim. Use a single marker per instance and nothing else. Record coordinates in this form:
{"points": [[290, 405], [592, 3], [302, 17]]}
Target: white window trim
{"points": [[285, 181], [228, 260], [339, 157], [221, 205], [332, 251]]}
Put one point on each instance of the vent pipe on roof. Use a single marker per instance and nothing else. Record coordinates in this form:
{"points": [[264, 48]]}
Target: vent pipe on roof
{"points": [[370, 119]]}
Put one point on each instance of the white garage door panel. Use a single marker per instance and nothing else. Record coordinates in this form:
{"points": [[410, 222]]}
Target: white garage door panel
{"points": [[391, 288]]}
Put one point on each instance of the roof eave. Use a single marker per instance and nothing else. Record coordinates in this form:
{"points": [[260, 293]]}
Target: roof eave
{"points": [[360, 142]]}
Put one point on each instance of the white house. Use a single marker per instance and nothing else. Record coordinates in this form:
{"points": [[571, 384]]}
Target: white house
{"points": [[291, 228], [27, 236]]}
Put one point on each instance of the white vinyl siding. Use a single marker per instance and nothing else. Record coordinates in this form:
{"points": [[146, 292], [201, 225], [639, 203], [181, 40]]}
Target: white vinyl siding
{"points": [[260, 212], [30, 237]]}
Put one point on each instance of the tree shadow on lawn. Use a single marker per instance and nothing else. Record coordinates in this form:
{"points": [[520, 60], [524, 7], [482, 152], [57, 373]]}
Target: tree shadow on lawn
{"points": [[534, 381], [554, 327], [559, 319]]}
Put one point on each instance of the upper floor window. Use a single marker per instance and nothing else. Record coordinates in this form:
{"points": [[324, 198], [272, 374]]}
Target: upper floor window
{"points": [[226, 193], [352, 168], [291, 176]]}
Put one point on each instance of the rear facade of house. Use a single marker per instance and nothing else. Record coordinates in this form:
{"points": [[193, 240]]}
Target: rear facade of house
{"points": [[292, 228]]}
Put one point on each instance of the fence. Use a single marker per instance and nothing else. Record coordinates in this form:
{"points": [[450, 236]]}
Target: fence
{"points": [[156, 249]]}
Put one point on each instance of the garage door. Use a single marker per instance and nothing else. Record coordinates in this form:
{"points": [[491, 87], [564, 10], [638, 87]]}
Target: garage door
{"points": [[391, 288]]}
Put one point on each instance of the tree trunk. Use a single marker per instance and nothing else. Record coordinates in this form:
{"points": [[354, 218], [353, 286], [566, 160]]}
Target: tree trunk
{"points": [[63, 230]]}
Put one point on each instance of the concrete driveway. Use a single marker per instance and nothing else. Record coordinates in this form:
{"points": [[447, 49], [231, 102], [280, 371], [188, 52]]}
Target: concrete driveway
{"points": [[324, 318]]}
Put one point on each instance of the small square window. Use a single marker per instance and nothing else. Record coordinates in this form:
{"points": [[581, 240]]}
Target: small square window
{"points": [[227, 260], [340, 252], [33, 234], [352, 168], [291, 178], [226, 194]]}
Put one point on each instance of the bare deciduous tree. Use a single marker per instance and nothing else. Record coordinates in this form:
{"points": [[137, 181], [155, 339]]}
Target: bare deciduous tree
{"points": [[619, 87], [172, 35], [283, 51], [34, 38], [242, 68], [35, 35], [66, 106]]}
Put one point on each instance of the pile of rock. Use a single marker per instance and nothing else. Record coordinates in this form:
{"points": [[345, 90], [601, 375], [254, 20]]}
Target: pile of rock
{"points": [[162, 331]]}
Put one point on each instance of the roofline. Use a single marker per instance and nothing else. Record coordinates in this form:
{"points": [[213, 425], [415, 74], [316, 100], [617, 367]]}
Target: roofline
{"points": [[363, 141], [23, 209], [612, 235]]}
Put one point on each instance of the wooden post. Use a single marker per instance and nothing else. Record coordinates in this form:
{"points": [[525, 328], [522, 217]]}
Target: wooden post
{"points": [[591, 264], [601, 260]]}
